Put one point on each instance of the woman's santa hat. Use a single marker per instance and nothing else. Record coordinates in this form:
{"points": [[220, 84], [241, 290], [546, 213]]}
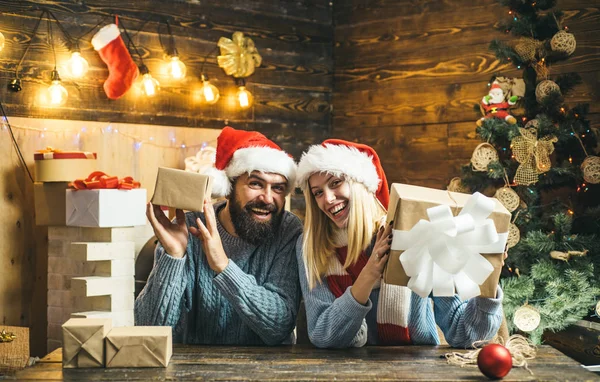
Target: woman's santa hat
{"points": [[240, 152], [349, 159]]}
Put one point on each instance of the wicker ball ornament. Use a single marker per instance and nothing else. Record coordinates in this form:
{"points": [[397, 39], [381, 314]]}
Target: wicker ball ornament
{"points": [[456, 185], [563, 42], [544, 88], [483, 155], [526, 318], [508, 198], [591, 169], [514, 235]]}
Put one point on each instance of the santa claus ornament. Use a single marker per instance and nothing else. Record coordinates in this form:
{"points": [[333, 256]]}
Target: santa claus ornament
{"points": [[495, 105], [122, 71]]}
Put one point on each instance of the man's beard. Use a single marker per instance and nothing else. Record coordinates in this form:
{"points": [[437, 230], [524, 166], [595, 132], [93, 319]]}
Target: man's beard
{"points": [[248, 228]]}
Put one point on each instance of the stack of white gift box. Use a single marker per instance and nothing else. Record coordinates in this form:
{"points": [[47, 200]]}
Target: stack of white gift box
{"points": [[91, 243]]}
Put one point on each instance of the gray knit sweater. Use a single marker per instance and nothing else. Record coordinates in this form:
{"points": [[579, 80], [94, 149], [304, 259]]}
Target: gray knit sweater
{"points": [[344, 322], [254, 301]]}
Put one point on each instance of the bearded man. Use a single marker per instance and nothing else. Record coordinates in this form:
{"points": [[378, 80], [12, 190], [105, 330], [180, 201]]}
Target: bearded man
{"points": [[228, 275]]}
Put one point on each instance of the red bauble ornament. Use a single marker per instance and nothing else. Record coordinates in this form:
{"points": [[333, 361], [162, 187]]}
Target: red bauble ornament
{"points": [[494, 361]]}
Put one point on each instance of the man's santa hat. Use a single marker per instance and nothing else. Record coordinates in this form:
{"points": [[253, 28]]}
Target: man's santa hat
{"points": [[348, 159], [240, 152]]}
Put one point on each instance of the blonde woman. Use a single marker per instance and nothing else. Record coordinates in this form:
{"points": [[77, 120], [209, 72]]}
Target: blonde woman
{"points": [[344, 250]]}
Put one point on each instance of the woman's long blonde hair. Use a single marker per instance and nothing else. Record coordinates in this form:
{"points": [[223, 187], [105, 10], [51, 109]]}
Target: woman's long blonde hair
{"points": [[319, 230]]}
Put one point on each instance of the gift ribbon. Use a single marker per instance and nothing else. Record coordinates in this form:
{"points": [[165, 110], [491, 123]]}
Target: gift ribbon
{"points": [[49, 153], [445, 252], [99, 180]]}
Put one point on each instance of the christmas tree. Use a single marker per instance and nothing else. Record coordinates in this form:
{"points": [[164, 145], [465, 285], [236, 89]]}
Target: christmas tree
{"points": [[538, 158]]}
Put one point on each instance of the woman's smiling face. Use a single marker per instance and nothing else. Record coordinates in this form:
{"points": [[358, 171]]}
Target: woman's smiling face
{"points": [[332, 194]]}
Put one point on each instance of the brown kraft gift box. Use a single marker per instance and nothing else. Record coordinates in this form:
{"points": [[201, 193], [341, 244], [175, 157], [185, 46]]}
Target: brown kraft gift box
{"points": [[409, 204], [49, 200], [139, 346], [14, 355], [83, 342], [181, 189]]}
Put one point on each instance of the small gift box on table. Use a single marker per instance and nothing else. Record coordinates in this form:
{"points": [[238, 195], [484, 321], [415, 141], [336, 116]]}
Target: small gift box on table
{"points": [[101, 200], [446, 242], [83, 342], [52, 165], [181, 189], [139, 346], [14, 348], [49, 200]]}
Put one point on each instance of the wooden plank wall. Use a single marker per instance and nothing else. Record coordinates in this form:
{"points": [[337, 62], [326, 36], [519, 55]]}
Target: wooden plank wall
{"points": [[407, 74], [292, 92]]}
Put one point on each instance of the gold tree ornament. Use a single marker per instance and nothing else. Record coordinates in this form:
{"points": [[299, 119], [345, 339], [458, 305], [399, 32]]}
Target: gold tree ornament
{"points": [[598, 308], [563, 42], [533, 154], [483, 155], [566, 256], [529, 49], [239, 56], [545, 88], [514, 235], [527, 318], [508, 198], [591, 169]]}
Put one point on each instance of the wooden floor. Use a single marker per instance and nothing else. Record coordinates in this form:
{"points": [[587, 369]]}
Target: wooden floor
{"points": [[304, 362]]}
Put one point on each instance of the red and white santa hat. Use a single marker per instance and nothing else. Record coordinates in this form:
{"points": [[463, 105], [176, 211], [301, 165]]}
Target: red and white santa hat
{"points": [[240, 152], [342, 158]]}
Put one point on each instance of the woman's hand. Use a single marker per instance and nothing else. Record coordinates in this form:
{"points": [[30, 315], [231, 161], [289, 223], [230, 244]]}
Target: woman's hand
{"points": [[373, 270]]}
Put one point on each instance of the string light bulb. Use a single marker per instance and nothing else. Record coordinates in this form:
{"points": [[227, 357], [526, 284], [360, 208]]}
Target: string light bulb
{"points": [[208, 93], [77, 66], [244, 97], [2, 40], [149, 85], [57, 94], [176, 68]]}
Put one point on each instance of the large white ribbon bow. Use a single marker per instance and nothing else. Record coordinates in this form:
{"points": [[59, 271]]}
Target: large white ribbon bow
{"points": [[445, 252]]}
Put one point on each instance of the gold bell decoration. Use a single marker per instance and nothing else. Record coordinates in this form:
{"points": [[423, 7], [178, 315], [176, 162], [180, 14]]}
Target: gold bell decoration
{"points": [[529, 49], [239, 56], [527, 318], [591, 169], [545, 88], [532, 153], [483, 155], [563, 42]]}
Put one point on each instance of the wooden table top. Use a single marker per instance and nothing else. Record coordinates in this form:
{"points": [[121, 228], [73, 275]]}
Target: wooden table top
{"points": [[304, 362]]}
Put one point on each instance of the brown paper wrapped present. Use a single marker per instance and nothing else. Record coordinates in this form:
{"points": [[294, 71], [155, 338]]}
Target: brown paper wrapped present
{"points": [[83, 342], [409, 205], [181, 189], [139, 346], [49, 200], [14, 348]]}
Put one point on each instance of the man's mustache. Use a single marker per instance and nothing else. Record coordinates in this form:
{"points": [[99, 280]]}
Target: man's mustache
{"points": [[271, 207]]}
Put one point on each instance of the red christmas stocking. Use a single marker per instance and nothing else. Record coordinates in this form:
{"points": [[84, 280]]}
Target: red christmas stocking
{"points": [[122, 71]]}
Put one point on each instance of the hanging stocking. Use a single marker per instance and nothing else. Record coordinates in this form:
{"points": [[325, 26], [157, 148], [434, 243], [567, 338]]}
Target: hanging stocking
{"points": [[112, 50]]}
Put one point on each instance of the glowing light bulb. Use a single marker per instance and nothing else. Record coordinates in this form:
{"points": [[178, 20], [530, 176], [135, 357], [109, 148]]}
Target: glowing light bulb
{"points": [[208, 92], [2, 39], [150, 85], [77, 65], [177, 68], [244, 97], [57, 94]]}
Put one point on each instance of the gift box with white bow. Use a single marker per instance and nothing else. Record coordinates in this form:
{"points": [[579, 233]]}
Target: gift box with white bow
{"points": [[446, 243]]}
